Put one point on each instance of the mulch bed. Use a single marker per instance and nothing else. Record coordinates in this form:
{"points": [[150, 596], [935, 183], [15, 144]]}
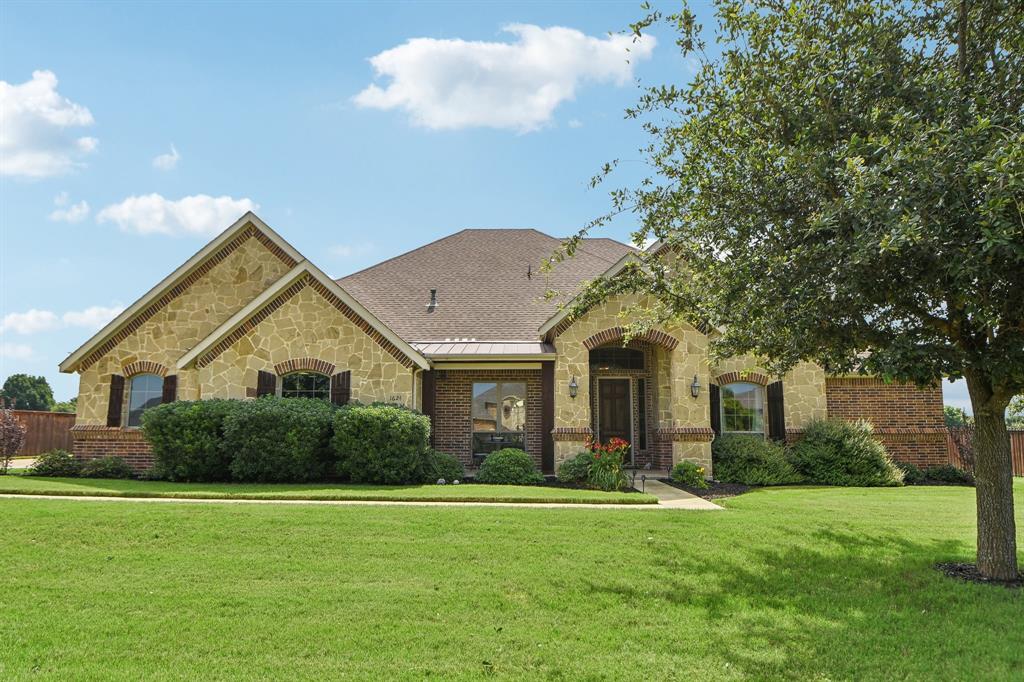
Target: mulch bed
{"points": [[969, 573], [715, 490]]}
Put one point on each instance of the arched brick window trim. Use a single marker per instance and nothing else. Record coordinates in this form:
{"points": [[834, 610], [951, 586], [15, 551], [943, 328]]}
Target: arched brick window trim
{"points": [[303, 365], [655, 336], [143, 367], [749, 377]]}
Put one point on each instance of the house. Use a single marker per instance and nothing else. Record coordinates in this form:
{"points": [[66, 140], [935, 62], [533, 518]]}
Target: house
{"points": [[460, 330]]}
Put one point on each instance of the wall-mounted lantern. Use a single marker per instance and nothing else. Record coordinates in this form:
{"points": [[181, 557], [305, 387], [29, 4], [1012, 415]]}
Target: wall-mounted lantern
{"points": [[695, 387], [573, 387]]}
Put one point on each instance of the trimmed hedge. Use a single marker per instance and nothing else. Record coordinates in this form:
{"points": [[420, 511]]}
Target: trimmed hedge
{"points": [[576, 469], [56, 463], [441, 465], [383, 444], [839, 452], [187, 438], [947, 473], [509, 466], [106, 467], [279, 440], [751, 460]]}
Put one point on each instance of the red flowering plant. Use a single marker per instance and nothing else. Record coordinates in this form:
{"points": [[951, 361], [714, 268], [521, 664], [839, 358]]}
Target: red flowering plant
{"points": [[606, 470]]}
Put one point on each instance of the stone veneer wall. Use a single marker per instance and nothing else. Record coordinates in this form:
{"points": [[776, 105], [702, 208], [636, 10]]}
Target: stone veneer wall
{"points": [[453, 401]]}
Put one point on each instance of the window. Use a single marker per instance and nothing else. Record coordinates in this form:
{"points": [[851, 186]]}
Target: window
{"points": [[614, 357], [641, 411], [144, 391], [499, 416], [306, 385], [742, 408]]}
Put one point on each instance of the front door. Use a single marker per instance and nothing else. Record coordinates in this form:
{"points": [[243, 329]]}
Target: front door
{"points": [[614, 413]]}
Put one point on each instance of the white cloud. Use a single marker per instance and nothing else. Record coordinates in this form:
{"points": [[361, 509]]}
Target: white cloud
{"points": [[167, 161], [350, 250], [35, 140], [575, 123], [29, 322], [16, 351], [199, 214], [64, 213], [451, 84], [93, 317]]}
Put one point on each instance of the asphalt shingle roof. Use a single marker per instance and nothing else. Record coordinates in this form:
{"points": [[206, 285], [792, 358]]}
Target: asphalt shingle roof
{"points": [[483, 292]]}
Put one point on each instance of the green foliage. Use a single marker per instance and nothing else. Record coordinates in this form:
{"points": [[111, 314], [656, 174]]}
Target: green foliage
{"points": [[279, 439], [751, 460], [56, 463], [442, 465], [1015, 413], [12, 436], [606, 468], [838, 452], [689, 474], [957, 417], [187, 438], [576, 469], [28, 392], [379, 443], [912, 474], [106, 467], [66, 405], [509, 466], [947, 473]]}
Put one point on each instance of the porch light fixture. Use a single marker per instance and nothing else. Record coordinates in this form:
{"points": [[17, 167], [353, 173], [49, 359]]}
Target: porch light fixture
{"points": [[695, 387], [573, 387]]}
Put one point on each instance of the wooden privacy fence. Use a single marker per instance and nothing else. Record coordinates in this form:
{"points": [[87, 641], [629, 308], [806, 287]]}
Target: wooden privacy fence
{"points": [[961, 449], [45, 431]]}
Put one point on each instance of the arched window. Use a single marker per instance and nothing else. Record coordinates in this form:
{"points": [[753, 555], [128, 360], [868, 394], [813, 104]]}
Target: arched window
{"points": [[144, 391], [306, 385], [742, 408], [616, 357]]}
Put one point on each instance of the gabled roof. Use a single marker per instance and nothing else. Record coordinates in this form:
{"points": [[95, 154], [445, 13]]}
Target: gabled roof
{"points": [[489, 283]]}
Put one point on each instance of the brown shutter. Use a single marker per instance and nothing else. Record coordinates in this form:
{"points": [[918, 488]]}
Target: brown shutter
{"points": [[776, 412], [716, 409], [116, 400], [170, 389], [429, 384], [266, 384], [547, 416], [341, 387]]}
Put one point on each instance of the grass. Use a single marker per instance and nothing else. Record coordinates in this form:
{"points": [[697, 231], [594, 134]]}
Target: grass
{"points": [[31, 485], [795, 583]]}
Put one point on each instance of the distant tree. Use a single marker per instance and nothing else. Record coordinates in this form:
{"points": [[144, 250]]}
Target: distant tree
{"points": [[957, 417], [12, 436], [1015, 413], [28, 392], [66, 405]]}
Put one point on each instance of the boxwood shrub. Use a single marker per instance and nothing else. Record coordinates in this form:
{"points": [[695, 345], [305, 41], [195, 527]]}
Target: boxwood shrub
{"points": [[442, 465], [279, 439], [383, 444], [751, 460], [839, 452], [509, 466], [689, 474], [56, 463], [576, 469], [187, 438], [106, 467]]}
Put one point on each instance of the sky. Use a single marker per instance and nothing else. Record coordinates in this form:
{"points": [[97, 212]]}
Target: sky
{"points": [[132, 133]]}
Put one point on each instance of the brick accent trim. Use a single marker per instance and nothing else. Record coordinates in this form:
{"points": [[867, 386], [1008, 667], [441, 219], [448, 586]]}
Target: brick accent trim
{"points": [[751, 377], [129, 328], [143, 367], [304, 364], [612, 334], [687, 434], [572, 433], [94, 441]]}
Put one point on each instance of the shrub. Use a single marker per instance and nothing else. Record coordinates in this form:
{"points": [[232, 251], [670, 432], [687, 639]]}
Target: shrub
{"points": [[442, 465], [12, 435], [384, 444], [187, 438], [689, 474], [947, 473], [912, 474], [107, 467], [838, 452], [576, 469], [606, 468], [751, 460], [509, 466], [279, 439], [56, 463]]}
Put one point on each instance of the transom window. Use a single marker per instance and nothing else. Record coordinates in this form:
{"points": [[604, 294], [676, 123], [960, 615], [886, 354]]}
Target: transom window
{"points": [[306, 385], [614, 357], [499, 416], [144, 391], [742, 408]]}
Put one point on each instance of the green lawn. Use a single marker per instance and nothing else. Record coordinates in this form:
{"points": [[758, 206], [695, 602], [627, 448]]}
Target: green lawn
{"points": [[799, 583], [313, 491]]}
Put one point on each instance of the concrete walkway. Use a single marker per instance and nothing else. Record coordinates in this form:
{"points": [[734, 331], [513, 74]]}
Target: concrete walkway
{"points": [[673, 498]]}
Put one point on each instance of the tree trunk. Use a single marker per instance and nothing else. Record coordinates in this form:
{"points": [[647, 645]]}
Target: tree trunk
{"points": [[993, 471]]}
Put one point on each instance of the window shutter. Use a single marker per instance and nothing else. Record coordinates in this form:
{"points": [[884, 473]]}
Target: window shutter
{"points": [[170, 389], [341, 387], [776, 412], [116, 400], [266, 384], [716, 409]]}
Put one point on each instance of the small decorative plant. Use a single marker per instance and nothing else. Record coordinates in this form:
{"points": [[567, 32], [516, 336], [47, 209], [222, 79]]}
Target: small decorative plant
{"points": [[12, 435], [689, 474], [606, 468]]}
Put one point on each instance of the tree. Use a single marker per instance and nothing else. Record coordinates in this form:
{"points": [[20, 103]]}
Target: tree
{"points": [[1015, 413], [843, 184], [12, 436], [66, 405], [957, 417], [28, 392]]}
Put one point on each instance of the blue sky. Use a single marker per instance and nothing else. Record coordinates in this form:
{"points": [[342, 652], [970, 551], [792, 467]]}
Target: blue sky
{"points": [[359, 130]]}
